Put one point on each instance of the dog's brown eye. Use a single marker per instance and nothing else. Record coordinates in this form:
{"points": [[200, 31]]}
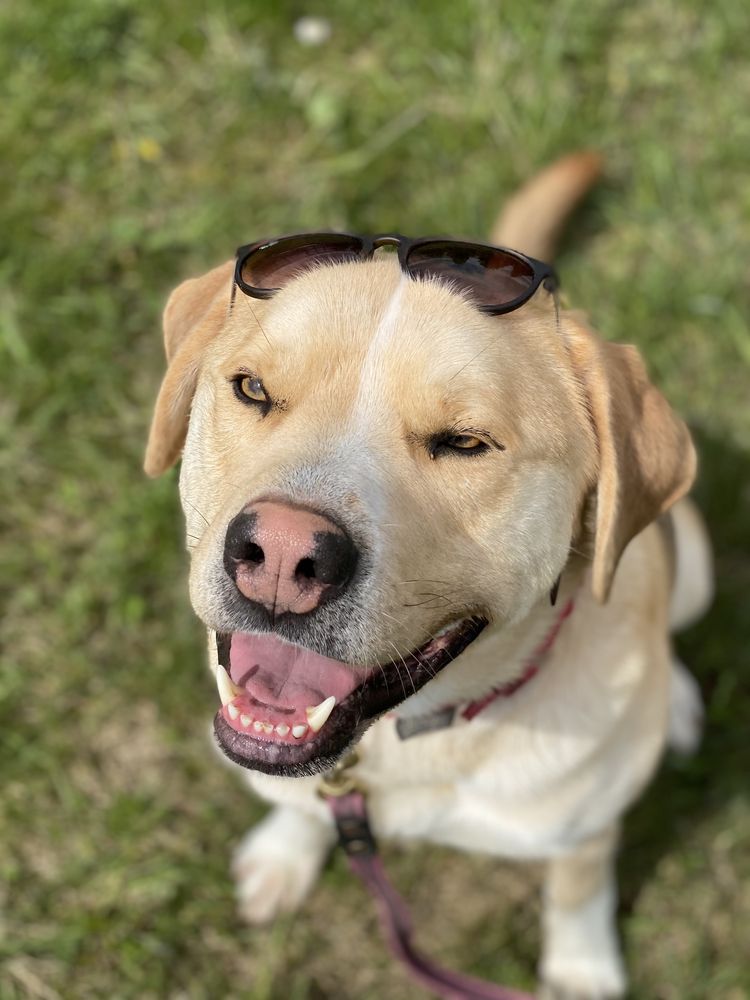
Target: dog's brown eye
{"points": [[460, 444], [464, 442], [249, 388]]}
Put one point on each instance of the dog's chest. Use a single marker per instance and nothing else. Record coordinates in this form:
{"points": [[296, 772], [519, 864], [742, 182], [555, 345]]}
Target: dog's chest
{"points": [[499, 784]]}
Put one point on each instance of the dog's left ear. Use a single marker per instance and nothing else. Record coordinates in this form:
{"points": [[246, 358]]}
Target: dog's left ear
{"points": [[646, 456], [194, 315]]}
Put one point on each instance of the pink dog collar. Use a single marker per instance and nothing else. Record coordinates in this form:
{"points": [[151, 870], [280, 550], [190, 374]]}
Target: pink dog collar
{"points": [[444, 717]]}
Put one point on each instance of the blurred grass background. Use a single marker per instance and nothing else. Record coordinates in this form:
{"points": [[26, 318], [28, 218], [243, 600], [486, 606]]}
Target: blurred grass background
{"points": [[141, 143]]}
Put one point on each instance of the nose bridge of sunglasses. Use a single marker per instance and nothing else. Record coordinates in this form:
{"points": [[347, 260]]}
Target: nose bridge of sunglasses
{"points": [[385, 244], [388, 239], [385, 250]]}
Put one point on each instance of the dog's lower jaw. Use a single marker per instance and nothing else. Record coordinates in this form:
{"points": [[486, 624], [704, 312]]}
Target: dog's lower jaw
{"points": [[266, 759]]}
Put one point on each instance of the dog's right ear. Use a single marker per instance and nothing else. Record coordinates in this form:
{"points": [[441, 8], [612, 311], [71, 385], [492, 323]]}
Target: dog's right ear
{"points": [[646, 456], [193, 316]]}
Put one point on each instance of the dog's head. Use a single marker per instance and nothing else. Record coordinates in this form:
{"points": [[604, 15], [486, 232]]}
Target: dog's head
{"points": [[373, 470]]}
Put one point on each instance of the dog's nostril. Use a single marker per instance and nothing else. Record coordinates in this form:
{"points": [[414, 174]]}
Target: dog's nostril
{"points": [[253, 554], [335, 558], [305, 569], [239, 546]]}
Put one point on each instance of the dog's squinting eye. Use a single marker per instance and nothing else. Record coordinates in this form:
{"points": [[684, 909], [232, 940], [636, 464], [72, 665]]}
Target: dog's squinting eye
{"points": [[249, 389], [457, 444]]}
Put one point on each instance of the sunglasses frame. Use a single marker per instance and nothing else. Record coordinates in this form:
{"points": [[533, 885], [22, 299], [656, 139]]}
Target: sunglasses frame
{"points": [[543, 274]]}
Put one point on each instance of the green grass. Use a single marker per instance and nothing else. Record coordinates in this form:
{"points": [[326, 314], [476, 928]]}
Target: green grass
{"points": [[141, 143]]}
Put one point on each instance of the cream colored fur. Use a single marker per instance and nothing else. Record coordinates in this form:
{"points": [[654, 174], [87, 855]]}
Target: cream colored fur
{"points": [[369, 364]]}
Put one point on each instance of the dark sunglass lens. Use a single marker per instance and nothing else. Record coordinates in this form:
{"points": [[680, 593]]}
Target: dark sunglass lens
{"points": [[492, 277], [272, 266]]}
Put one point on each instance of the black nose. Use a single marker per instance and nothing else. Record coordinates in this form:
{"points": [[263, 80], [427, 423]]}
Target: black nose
{"points": [[288, 558]]}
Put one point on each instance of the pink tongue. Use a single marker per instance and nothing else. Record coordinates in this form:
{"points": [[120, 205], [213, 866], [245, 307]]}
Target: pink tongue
{"points": [[277, 673]]}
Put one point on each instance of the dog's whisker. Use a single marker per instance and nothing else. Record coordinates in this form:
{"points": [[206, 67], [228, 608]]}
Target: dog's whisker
{"points": [[398, 674], [408, 672], [578, 552], [430, 670], [198, 512], [444, 597], [430, 599], [382, 670]]}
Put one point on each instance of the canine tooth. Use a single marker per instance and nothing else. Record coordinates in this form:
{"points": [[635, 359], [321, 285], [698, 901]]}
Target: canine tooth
{"points": [[233, 711], [298, 732], [317, 715], [282, 729], [245, 720], [227, 690]]}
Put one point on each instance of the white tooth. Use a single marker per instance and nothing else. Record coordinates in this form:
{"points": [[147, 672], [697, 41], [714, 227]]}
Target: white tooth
{"points": [[298, 732], [258, 726], [282, 729], [245, 720], [227, 690], [317, 715], [233, 711]]}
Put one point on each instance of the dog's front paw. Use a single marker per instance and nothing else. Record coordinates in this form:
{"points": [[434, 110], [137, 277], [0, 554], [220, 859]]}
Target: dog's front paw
{"points": [[277, 864], [582, 978], [581, 957]]}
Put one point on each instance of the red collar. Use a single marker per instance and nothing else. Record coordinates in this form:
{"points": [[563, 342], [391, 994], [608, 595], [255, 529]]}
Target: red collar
{"points": [[443, 717], [531, 668]]}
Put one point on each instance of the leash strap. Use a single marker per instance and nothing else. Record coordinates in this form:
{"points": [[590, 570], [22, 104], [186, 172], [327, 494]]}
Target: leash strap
{"points": [[358, 842]]}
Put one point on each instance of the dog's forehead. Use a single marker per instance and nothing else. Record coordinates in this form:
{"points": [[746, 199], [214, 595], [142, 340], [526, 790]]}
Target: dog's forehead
{"points": [[368, 317]]}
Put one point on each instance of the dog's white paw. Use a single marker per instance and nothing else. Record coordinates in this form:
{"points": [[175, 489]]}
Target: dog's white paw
{"points": [[277, 864], [581, 959], [585, 978]]}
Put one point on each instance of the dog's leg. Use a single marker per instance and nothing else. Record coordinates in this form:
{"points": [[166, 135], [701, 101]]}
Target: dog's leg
{"points": [[278, 861], [581, 955]]}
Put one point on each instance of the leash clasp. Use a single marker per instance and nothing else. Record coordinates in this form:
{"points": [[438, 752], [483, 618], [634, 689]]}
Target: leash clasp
{"points": [[337, 782]]}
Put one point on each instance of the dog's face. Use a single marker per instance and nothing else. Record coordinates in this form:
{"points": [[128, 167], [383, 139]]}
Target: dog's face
{"points": [[373, 471]]}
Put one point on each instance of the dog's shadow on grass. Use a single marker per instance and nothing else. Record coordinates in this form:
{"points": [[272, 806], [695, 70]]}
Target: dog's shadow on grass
{"points": [[687, 793]]}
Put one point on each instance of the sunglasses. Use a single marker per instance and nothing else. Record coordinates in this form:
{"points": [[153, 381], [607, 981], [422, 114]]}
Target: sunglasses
{"points": [[498, 280]]}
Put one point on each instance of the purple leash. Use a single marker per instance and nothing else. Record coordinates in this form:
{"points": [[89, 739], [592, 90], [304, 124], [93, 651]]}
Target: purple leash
{"points": [[358, 842]]}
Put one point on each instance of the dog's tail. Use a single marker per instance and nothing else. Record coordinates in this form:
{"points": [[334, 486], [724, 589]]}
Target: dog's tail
{"points": [[533, 218]]}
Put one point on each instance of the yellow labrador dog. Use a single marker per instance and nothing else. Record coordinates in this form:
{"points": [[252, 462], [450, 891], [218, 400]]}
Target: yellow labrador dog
{"points": [[426, 514]]}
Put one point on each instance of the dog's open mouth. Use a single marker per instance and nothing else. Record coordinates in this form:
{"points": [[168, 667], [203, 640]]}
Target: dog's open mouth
{"points": [[289, 711]]}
